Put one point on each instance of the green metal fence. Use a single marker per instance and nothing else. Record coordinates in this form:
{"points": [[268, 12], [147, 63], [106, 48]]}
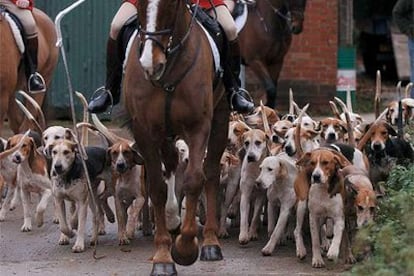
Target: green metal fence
{"points": [[85, 31]]}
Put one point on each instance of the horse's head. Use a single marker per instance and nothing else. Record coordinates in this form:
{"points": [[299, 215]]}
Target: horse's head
{"points": [[297, 10], [158, 20]]}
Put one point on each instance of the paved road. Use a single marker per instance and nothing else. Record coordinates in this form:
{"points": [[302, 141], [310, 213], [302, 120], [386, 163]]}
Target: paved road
{"points": [[38, 253]]}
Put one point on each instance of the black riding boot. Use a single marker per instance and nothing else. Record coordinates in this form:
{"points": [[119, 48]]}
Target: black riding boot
{"points": [[112, 91], [238, 97], [35, 82]]}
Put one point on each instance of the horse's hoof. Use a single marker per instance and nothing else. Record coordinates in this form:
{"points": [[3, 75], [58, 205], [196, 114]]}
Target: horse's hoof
{"points": [[211, 253], [184, 255], [163, 269]]}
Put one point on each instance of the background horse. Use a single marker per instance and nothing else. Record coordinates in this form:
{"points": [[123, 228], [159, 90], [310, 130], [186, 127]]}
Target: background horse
{"points": [[12, 77], [169, 93], [266, 38]]}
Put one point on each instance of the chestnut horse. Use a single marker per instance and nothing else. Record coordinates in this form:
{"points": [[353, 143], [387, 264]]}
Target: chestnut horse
{"points": [[266, 38], [168, 92], [12, 77]]}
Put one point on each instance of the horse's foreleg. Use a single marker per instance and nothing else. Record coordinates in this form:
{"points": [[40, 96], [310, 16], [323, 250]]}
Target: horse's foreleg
{"points": [[185, 250], [162, 261], [211, 250]]}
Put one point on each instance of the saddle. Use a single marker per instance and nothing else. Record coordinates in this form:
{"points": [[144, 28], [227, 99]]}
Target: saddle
{"points": [[125, 34], [217, 34], [17, 28]]}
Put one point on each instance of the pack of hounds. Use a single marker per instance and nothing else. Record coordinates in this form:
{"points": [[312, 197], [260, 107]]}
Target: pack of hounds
{"points": [[292, 173]]}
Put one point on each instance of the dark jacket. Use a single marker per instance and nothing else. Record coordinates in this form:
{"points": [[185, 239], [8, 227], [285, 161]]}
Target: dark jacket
{"points": [[403, 15]]}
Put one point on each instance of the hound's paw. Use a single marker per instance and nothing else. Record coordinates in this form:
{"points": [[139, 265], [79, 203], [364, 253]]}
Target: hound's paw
{"points": [[130, 234], [333, 253], [39, 219], [350, 259], [253, 236], [63, 240], [2, 217], [266, 251], [301, 253], [55, 220], [26, 228], [243, 239], [325, 244], [78, 248], [223, 234], [317, 263], [124, 241], [93, 242], [101, 232]]}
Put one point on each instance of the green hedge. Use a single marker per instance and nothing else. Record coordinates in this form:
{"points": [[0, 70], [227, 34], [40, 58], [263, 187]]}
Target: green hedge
{"points": [[391, 238]]}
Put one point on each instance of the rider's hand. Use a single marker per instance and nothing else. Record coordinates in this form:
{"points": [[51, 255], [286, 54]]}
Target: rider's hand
{"points": [[22, 3]]}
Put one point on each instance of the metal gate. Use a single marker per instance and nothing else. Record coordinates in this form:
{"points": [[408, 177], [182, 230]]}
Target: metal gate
{"points": [[85, 31]]}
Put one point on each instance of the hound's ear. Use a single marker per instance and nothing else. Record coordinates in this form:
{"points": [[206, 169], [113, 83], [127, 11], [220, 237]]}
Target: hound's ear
{"points": [[318, 126], [8, 144], [391, 130], [311, 133], [343, 126], [108, 157], [351, 189], [48, 151], [341, 160], [366, 127], [32, 143], [301, 185], [73, 146], [282, 172], [138, 159], [304, 159], [69, 135]]}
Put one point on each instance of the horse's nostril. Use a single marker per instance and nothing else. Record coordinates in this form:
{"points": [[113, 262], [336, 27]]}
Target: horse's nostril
{"points": [[159, 70]]}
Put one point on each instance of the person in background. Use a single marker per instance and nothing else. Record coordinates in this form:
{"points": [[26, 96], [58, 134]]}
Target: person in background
{"points": [[112, 89], [22, 9], [403, 15]]}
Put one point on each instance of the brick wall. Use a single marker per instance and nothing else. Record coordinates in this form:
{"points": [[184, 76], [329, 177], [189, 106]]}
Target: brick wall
{"points": [[311, 64]]}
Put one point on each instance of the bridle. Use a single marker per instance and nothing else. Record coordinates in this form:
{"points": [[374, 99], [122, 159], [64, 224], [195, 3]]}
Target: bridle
{"points": [[170, 32], [288, 17]]}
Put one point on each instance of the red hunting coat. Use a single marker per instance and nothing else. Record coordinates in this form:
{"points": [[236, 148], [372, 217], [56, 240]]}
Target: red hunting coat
{"points": [[205, 4], [133, 2], [31, 4]]}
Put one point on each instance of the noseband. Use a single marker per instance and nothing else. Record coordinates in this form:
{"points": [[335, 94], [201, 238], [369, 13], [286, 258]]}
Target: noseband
{"points": [[156, 35]]}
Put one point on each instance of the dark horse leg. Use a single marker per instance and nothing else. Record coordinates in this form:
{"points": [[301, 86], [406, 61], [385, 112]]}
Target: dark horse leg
{"points": [[185, 248], [211, 250], [268, 76]]}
